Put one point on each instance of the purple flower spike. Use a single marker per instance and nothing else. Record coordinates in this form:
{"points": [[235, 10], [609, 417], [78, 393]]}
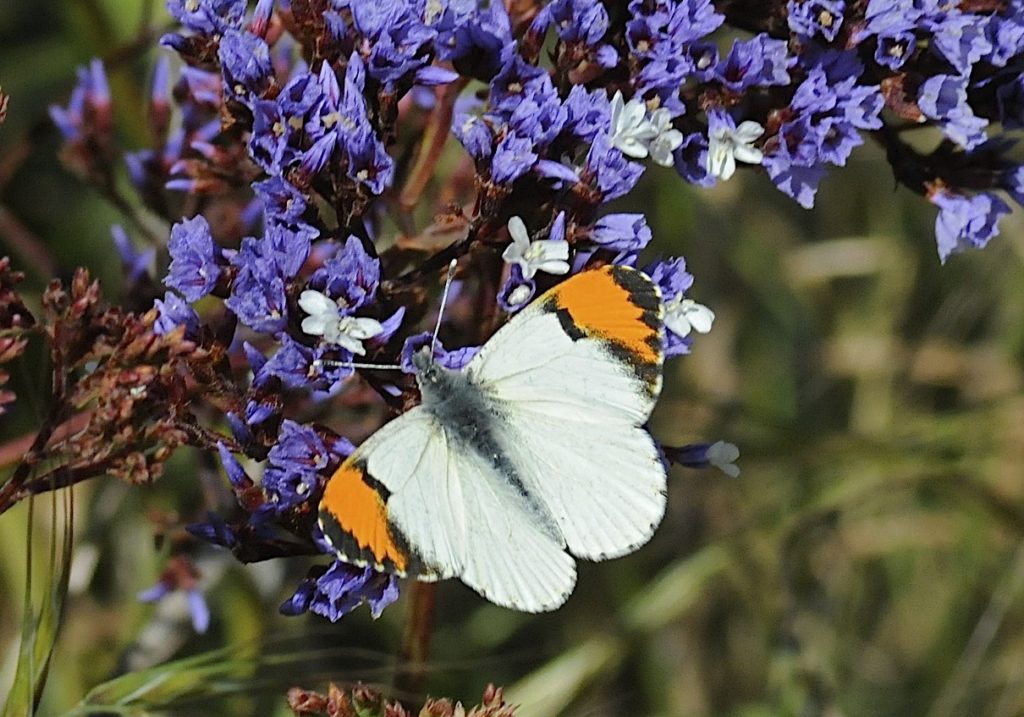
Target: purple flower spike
{"points": [[199, 610], [966, 222], [88, 109], [613, 173], [816, 17], [575, 20], [294, 465], [195, 259], [136, 264], [719, 454], [513, 158], [944, 98], [245, 62], [236, 474], [351, 276], [760, 61], [341, 589], [208, 17], [621, 232], [174, 312]]}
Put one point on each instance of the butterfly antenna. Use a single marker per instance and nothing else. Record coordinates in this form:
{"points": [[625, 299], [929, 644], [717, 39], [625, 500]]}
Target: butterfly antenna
{"points": [[444, 300], [351, 364]]}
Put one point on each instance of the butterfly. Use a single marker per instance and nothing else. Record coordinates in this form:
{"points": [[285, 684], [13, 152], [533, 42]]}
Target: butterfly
{"points": [[531, 456]]}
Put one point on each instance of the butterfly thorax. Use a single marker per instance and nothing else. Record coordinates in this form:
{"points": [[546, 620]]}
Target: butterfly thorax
{"points": [[456, 403], [470, 418]]}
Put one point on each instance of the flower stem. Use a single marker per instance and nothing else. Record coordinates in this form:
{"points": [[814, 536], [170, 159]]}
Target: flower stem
{"points": [[412, 659]]}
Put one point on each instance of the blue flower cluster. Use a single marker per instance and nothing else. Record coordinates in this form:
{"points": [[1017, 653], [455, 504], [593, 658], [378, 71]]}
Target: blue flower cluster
{"points": [[312, 125]]}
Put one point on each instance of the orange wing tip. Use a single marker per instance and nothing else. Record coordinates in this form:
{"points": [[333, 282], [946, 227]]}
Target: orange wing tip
{"points": [[354, 519], [621, 305]]}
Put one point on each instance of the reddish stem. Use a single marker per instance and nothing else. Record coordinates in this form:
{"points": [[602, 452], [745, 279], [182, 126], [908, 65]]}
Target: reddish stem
{"points": [[434, 137], [412, 672]]}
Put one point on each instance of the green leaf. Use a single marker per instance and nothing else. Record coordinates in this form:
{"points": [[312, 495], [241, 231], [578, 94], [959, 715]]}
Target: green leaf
{"points": [[39, 632]]}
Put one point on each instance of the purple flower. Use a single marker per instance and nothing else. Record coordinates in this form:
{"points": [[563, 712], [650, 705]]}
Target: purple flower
{"points": [[268, 144], [895, 49], [613, 174], [1006, 33], [399, 44], [453, 360], [516, 80], [672, 278], [794, 167], [513, 158], [966, 222], [816, 17], [255, 413], [960, 38], [472, 37], [689, 20], [540, 115], [475, 135], [195, 259], [208, 17], [261, 17], [88, 108], [181, 575], [759, 61], [350, 276], [621, 232], [1013, 182], [245, 64], [583, 21], [258, 292], [236, 474], [136, 264], [944, 98], [340, 589], [299, 366], [692, 160], [661, 36], [587, 113], [214, 531], [719, 454], [174, 312], [369, 162], [294, 465], [282, 203]]}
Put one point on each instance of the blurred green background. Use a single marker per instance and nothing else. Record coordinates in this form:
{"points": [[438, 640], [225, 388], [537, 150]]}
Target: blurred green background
{"points": [[868, 561]]}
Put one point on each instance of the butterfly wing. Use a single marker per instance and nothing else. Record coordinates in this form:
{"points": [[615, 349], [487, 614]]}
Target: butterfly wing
{"points": [[407, 502], [574, 376], [356, 513]]}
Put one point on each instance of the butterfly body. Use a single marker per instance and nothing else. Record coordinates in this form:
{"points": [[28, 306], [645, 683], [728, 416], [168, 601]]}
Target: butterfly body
{"points": [[532, 454]]}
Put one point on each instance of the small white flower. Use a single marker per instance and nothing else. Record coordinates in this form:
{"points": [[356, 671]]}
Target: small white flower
{"points": [[547, 255], [631, 130], [683, 315], [349, 332], [727, 145], [667, 140], [723, 456]]}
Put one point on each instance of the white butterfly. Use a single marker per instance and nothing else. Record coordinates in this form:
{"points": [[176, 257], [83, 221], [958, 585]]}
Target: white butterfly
{"points": [[533, 455]]}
